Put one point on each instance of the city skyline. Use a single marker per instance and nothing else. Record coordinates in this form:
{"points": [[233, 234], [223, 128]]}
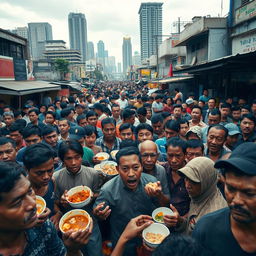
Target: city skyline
{"points": [[127, 53], [110, 23]]}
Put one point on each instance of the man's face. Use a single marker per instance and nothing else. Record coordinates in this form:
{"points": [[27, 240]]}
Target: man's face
{"points": [[224, 112], [83, 122], [116, 112], [247, 126], [49, 119], [126, 134], [149, 157], [183, 129], [131, 120], [109, 131], [63, 127], [244, 111], [241, 102], [71, 115], [196, 114], [51, 139], [32, 139], [142, 118], [90, 140], [79, 110], [175, 157], [144, 135], [232, 140], [236, 114], [92, 120], [8, 120], [33, 117], [211, 104], [158, 128], [16, 136], [130, 170], [215, 140], [192, 153], [213, 119], [7, 152], [41, 175], [254, 108], [240, 194], [169, 133], [73, 161], [18, 207], [177, 112], [193, 188]]}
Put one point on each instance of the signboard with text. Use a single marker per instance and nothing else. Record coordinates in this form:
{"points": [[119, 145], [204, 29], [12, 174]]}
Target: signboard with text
{"points": [[245, 12], [6, 68], [244, 44]]}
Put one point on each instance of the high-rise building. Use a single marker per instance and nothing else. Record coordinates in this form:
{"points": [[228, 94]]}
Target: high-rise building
{"points": [[77, 26], [119, 67], [150, 28], [127, 53], [101, 53], [21, 31], [90, 51], [136, 59], [111, 64], [38, 33]]}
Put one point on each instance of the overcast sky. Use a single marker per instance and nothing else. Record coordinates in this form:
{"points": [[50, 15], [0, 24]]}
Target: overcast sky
{"points": [[107, 20]]}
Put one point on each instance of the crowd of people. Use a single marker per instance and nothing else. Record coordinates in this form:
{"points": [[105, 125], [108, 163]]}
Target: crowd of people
{"points": [[199, 153]]}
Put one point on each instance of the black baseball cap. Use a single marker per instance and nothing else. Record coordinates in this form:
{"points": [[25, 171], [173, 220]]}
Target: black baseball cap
{"points": [[242, 158], [76, 133]]}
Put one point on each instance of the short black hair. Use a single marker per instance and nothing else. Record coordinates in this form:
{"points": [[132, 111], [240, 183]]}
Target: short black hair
{"points": [[127, 151], [245, 107], [80, 117], [218, 127], [183, 121], [177, 142], [125, 126], [99, 107], [31, 130], [89, 130], [177, 106], [5, 140], [127, 113], [225, 105], [235, 108], [37, 154], [65, 112], [142, 111], [15, 127], [250, 117], [108, 120], [51, 113], [195, 144], [21, 122], [172, 125], [115, 106], [157, 118], [73, 145], [198, 107], [10, 173], [35, 110], [159, 96], [165, 114], [48, 129], [91, 113], [128, 143], [215, 112], [144, 126]]}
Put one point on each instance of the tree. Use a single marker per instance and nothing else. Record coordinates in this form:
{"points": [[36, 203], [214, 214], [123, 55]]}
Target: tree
{"points": [[61, 65], [98, 75]]}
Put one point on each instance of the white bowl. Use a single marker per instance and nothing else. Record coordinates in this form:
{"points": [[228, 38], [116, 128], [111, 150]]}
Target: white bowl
{"points": [[113, 154], [102, 154], [108, 163], [97, 167], [156, 228], [78, 189], [164, 210], [41, 204], [74, 213]]}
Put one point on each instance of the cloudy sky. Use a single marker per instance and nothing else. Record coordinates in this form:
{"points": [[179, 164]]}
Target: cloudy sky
{"points": [[107, 20]]}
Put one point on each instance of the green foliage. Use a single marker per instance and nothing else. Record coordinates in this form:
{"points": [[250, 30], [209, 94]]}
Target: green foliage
{"points": [[61, 65], [98, 75]]}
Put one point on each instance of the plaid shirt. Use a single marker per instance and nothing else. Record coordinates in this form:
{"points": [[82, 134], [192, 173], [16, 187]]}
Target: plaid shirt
{"points": [[101, 143]]}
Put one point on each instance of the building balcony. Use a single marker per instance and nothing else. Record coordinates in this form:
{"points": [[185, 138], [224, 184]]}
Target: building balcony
{"points": [[167, 49]]}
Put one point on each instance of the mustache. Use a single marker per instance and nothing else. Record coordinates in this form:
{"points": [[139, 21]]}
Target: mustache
{"points": [[31, 215], [239, 209]]}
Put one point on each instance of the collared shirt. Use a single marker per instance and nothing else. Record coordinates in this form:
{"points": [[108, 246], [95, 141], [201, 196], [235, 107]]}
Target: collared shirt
{"points": [[223, 152], [126, 204], [43, 240], [101, 143], [200, 124], [179, 195]]}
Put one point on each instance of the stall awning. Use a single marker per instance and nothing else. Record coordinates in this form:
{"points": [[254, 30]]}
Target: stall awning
{"points": [[175, 79], [26, 87], [73, 85]]}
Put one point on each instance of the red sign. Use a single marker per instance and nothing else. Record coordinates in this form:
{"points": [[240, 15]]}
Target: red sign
{"points": [[6, 68]]}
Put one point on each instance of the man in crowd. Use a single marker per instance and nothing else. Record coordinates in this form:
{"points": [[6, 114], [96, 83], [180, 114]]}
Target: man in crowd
{"points": [[116, 113], [128, 117], [158, 125], [122, 102], [68, 113], [15, 133], [126, 132], [205, 96], [195, 148], [158, 105], [177, 112], [8, 118], [7, 149], [236, 114], [233, 135], [142, 116], [184, 127], [196, 115], [233, 226], [92, 119], [64, 127], [33, 115], [211, 105], [225, 110], [143, 132]]}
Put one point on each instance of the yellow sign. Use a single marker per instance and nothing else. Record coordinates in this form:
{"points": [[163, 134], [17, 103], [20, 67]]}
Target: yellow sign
{"points": [[153, 85], [145, 72]]}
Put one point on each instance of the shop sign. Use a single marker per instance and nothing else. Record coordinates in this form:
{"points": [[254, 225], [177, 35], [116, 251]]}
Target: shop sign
{"points": [[244, 44], [245, 12]]}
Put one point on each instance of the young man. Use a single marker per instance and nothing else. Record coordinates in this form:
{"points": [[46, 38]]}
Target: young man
{"points": [[158, 125], [211, 105], [234, 226], [196, 115], [75, 174], [177, 112], [125, 196], [158, 105], [116, 113], [144, 132], [81, 120], [15, 133], [225, 110], [7, 149], [33, 115], [236, 115], [19, 233], [126, 132], [142, 116], [195, 148], [68, 113], [184, 127], [63, 126], [233, 135]]}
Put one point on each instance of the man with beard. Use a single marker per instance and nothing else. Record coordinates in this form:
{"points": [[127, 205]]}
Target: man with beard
{"points": [[19, 232], [232, 231], [216, 137], [125, 197]]}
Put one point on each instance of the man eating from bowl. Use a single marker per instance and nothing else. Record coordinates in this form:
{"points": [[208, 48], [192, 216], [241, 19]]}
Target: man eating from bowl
{"points": [[125, 197], [18, 218]]}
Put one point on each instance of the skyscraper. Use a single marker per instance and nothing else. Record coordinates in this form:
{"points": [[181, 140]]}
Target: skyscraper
{"points": [[150, 28], [127, 53], [78, 33], [90, 51], [38, 33], [21, 31], [136, 59], [101, 53]]}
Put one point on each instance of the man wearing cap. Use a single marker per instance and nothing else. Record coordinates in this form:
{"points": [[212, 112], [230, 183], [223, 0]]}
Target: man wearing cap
{"points": [[190, 104], [233, 135], [232, 230], [194, 133], [196, 115]]}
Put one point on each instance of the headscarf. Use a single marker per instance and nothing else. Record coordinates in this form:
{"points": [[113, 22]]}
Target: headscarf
{"points": [[201, 169]]}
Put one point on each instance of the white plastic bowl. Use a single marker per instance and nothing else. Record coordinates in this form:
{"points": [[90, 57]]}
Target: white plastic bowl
{"points": [[103, 154], [164, 210], [108, 163], [156, 228], [43, 204], [78, 189], [74, 213]]}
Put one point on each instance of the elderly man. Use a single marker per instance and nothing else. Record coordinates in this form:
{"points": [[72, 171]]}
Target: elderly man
{"points": [[234, 226], [149, 153]]}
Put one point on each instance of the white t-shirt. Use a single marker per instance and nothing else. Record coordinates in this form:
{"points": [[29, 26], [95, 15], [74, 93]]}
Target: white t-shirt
{"points": [[122, 103]]}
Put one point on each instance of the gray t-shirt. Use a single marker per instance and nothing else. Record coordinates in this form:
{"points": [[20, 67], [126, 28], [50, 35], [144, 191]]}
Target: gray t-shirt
{"points": [[158, 106]]}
